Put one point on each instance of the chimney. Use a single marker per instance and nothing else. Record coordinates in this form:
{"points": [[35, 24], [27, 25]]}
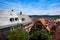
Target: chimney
{"points": [[20, 13]]}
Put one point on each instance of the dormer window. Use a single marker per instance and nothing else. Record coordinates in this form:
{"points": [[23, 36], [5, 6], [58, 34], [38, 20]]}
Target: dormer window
{"points": [[16, 19], [23, 19], [11, 19]]}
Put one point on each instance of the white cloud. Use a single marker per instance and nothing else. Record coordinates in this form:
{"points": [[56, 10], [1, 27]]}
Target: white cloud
{"points": [[26, 9], [54, 9], [54, 12], [54, 6]]}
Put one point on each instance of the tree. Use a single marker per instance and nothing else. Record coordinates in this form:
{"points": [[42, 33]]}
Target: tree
{"points": [[18, 34], [39, 32], [39, 35]]}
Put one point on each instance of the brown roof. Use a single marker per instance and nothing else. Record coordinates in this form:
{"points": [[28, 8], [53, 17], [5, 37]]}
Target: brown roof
{"points": [[50, 24], [43, 21]]}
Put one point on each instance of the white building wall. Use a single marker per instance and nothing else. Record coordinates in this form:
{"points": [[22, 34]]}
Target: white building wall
{"points": [[5, 18]]}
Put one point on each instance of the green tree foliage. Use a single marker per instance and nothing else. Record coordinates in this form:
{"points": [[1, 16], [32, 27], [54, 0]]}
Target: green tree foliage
{"points": [[39, 35], [18, 34], [52, 32], [36, 34]]}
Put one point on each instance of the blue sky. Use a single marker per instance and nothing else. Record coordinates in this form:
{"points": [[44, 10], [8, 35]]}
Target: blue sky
{"points": [[32, 7]]}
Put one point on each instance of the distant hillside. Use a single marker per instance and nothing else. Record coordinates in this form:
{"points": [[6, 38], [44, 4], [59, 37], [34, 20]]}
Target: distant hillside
{"points": [[45, 16]]}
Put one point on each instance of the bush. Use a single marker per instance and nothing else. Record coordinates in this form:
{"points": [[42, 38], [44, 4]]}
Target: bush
{"points": [[18, 34]]}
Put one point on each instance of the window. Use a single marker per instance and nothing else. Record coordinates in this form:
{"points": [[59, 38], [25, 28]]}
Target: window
{"points": [[57, 23], [12, 28], [11, 19], [16, 19], [23, 19]]}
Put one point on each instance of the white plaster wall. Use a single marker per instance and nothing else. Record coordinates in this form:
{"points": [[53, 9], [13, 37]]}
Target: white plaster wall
{"points": [[5, 18], [27, 19]]}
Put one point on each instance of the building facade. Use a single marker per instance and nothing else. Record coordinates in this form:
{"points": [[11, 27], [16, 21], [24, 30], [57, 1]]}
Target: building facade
{"points": [[8, 19]]}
